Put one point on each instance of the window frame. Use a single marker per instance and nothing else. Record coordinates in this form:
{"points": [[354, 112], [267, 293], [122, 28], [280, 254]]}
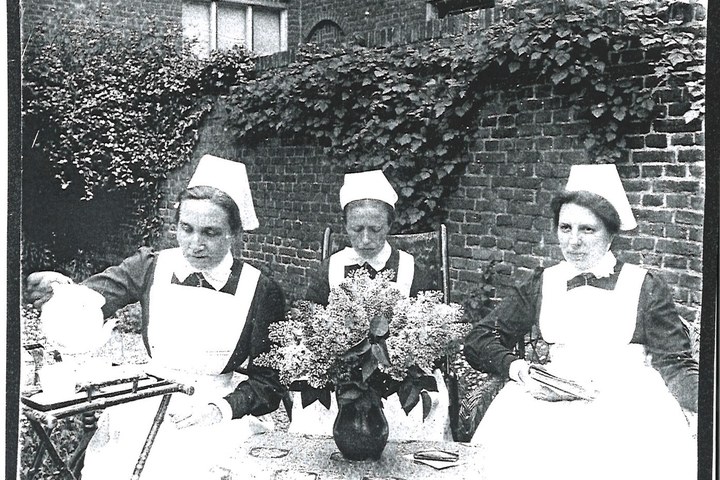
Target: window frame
{"points": [[248, 41]]}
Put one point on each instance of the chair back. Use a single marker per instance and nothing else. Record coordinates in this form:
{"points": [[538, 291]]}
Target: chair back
{"points": [[430, 250]]}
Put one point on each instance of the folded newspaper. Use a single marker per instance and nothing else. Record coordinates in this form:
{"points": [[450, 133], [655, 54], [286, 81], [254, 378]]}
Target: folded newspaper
{"points": [[561, 385]]}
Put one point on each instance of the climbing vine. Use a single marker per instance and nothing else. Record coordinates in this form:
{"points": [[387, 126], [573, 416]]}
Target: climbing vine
{"points": [[108, 111], [412, 109]]}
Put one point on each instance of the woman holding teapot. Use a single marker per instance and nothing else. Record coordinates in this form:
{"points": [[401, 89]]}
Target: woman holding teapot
{"points": [[204, 315]]}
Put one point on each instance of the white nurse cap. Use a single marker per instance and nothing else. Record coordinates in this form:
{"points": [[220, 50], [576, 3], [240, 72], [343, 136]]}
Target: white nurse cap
{"points": [[230, 177], [603, 180], [371, 185]]}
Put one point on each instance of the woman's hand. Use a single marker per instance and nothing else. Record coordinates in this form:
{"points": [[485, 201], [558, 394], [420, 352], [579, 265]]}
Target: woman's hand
{"points": [[202, 415], [38, 287], [520, 372]]}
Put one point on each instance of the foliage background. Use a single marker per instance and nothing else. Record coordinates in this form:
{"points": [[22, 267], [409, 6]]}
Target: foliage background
{"points": [[411, 109], [108, 112]]}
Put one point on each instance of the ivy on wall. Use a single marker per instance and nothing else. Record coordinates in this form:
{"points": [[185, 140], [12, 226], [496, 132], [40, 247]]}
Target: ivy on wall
{"points": [[411, 109], [108, 111]]}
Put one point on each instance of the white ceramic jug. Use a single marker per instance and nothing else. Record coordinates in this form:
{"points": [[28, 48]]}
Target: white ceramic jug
{"points": [[73, 320]]}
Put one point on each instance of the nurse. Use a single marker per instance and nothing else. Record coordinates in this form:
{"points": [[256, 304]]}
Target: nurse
{"points": [[612, 328], [205, 317], [368, 203]]}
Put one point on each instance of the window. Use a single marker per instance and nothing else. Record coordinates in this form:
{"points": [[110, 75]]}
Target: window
{"points": [[442, 8], [261, 26]]}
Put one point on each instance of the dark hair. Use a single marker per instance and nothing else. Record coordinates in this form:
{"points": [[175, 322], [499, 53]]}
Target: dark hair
{"points": [[216, 196], [365, 201], [593, 202]]}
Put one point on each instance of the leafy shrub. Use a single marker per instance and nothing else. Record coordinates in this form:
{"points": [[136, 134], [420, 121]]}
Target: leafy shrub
{"points": [[65, 436], [108, 111], [411, 109], [480, 300]]}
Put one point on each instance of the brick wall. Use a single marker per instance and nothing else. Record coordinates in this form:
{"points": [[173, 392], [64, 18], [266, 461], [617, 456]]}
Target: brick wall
{"points": [[48, 13], [521, 157], [361, 17]]}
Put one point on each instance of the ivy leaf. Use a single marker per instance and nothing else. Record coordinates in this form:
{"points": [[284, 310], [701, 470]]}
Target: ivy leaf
{"points": [[676, 58], [619, 113], [393, 123], [690, 115], [598, 110], [561, 58], [558, 77]]}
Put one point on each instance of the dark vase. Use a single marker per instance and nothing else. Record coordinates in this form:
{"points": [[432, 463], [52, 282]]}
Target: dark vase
{"points": [[361, 430]]}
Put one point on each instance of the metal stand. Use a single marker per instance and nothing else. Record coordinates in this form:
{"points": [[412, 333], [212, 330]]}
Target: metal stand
{"points": [[43, 421]]}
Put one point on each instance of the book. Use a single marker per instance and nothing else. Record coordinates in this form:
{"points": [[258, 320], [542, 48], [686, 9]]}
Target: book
{"points": [[560, 385]]}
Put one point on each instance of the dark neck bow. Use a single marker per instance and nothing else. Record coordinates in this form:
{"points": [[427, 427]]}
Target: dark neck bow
{"points": [[365, 266], [193, 280], [606, 283]]}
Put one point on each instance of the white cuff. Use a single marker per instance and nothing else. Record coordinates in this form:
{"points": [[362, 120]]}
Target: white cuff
{"points": [[225, 409], [515, 368]]}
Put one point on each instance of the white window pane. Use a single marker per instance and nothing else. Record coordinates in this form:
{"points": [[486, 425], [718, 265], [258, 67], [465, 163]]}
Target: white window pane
{"points": [[196, 25], [231, 26], [266, 30]]}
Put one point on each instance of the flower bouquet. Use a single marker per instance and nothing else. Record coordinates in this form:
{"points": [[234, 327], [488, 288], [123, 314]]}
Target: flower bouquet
{"points": [[369, 337]]}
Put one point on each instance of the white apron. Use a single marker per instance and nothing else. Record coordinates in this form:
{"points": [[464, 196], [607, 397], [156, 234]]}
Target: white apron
{"points": [[315, 419], [192, 333], [633, 429]]}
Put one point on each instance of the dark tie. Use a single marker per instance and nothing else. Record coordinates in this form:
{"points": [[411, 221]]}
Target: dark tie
{"points": [[195, 279], [606, 283]]}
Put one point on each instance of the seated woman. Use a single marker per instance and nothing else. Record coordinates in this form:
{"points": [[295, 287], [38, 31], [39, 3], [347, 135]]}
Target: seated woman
{"points": [[204, 315], [613, 329], [368, 203]]}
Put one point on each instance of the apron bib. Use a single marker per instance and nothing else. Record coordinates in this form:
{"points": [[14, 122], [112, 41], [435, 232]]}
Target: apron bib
{"points": [[589, 329]]}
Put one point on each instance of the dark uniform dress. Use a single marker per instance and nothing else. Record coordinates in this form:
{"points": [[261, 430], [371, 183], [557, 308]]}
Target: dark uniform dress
{"points": [[410, 279], [201, 337], [619, 335]]}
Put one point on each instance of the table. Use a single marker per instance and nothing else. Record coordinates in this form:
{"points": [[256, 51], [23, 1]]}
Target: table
{"points": [[283, 456], [117, 388]]}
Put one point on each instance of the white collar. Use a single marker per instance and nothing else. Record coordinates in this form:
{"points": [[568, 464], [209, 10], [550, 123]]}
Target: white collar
{"points": [[216, 276], [603, 268], [377, 262]]}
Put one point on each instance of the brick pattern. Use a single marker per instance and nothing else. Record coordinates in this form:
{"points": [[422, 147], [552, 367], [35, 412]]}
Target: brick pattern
{"points": [[523, 157], [520, 156], [48, 13]]}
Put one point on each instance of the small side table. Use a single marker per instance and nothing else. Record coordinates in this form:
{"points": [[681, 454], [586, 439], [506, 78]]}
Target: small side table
{"points": [[43, 414]]}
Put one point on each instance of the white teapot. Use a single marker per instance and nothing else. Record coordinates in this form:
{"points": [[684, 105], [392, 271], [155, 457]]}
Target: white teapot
{"points": [[73, 320]]}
